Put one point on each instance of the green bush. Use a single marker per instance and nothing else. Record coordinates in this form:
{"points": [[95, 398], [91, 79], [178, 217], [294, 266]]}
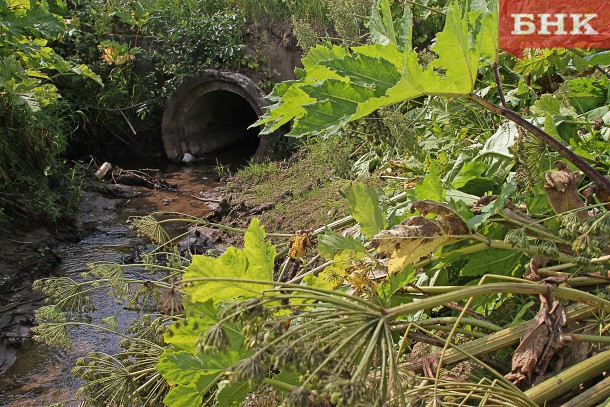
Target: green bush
{"points": [[34, 121]]}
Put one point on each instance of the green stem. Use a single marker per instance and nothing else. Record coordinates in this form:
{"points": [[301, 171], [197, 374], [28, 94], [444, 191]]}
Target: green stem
{"points": [[364, 361], [327, 295], [570, 378], [588, 338], [279, 384], [149, 381], [451, 320], [582, 122], [216, 225], [601, 181], [498, 340], [592, 396], [498, 288], [500, 244]]}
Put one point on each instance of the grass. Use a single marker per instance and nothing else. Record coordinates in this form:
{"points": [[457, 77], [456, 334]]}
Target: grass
{"points": [[302, 192], [258, 172], [316, 11]]}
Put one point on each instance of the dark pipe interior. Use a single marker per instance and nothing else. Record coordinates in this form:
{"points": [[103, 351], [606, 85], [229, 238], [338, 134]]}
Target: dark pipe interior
{"points": [[219, 120]]}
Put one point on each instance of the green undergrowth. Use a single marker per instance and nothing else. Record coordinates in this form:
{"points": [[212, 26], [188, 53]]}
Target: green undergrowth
{"points": [[303, 191]]}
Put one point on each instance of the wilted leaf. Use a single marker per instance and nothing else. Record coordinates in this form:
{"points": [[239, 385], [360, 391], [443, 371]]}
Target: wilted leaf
{"points": [[539, 343], [114, 55], [337, 272], [419, 237], [561, 188], [299, 243]]}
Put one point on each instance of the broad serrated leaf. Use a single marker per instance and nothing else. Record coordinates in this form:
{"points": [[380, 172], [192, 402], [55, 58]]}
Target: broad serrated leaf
{"points": [[260, 252], [330, 244], [382, 23], [459, 47], [337, 101], [546, 104], [314, 68], [488, 39], [388, 52], [455, 53], [431, 187], [493, 261], [182, 367], [201, 316], [254, 262], [394, 282], [290, 108], [232, 394], [378, 74], [333, 276], [405, 31], [364, 206], [186, 395], [322, 117], [193, 375]]}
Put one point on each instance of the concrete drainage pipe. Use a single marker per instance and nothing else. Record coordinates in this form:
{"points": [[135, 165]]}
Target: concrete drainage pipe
{"points": [[211, 112]]}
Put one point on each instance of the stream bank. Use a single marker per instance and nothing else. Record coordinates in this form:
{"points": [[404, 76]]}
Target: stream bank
{"points": [[32, 374]]}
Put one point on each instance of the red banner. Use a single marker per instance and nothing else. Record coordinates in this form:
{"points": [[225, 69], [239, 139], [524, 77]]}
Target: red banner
{"points": [[554, 24]]}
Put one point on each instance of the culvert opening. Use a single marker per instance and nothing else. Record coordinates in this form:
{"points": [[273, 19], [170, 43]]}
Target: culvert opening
{"points": [[211, 112], [219, 120]]}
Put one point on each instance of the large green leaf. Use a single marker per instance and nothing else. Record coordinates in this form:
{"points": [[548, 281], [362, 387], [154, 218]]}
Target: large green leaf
{"points": [[382, 24], [598, 58], [358, 70], [430, 188], [254, 262], [193, 375], [330, 244], [493, 261], [340, 86], [364, 206], [201, 316], [232, 394]]}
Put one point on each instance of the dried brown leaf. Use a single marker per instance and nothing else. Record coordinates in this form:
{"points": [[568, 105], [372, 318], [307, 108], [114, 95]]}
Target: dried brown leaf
{"points": [[561, 189], [539, 344]]}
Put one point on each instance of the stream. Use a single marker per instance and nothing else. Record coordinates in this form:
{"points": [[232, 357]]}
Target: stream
{"points": [[40, 376]]}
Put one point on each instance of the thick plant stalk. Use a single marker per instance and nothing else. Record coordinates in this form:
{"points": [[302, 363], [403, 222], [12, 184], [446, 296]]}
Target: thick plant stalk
{"points": [[601, 181], [592, 396], [570, 378], [489, 289], [497, 340]]}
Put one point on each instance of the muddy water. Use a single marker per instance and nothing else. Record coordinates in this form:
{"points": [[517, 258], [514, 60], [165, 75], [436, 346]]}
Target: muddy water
{"points": [[41, 375]]}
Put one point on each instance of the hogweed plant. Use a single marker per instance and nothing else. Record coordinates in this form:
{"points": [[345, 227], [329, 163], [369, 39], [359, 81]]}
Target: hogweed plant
{"points": [[484, 282]]}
